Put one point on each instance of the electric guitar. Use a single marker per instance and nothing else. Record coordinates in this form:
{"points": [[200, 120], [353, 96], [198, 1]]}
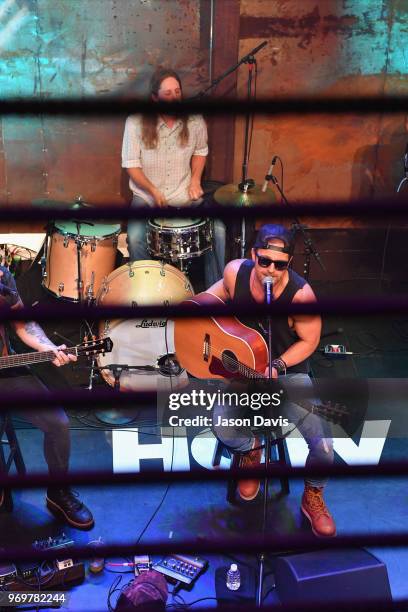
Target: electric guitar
{"points": [[225, 348], [91, 347]]}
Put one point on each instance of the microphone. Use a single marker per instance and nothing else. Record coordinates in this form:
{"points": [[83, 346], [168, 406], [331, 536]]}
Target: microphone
{"points": [[268, 284], [259, 47], [266, 181]]}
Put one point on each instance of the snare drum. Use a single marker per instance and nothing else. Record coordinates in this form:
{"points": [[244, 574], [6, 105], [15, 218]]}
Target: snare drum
{"points": [[178, 239], [141, 342], [98, 242]]}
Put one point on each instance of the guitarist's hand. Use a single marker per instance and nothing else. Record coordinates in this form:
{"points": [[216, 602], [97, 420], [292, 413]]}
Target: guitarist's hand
{"points": [[274, 372], [60, 357]]}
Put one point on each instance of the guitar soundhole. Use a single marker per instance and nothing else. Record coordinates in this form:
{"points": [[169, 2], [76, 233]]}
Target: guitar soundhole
{"points": [[229, 361]]}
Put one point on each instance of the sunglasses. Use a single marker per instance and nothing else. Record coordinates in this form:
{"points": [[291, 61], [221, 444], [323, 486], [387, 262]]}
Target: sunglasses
{"points": [[265, 262]]}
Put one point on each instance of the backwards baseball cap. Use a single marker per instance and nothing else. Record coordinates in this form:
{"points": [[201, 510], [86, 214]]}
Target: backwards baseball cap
{"points": [[270, 232]]}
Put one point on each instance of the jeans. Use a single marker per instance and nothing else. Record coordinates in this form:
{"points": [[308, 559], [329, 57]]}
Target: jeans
{"points": [[214, 261], [52, 421], [315, 430]]}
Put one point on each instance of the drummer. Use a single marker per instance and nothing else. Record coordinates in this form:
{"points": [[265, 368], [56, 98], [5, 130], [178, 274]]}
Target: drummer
{"points": [[165, 156]]}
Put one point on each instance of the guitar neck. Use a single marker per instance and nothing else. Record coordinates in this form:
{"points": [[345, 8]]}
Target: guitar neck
{"points": [[23, 359]]}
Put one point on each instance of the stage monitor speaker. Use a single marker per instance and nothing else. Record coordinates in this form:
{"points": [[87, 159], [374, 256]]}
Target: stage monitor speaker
{"points": [[329, 576]]}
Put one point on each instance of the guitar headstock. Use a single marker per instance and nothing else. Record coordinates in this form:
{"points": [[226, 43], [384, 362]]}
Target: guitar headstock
{"points": [[96, 346]]}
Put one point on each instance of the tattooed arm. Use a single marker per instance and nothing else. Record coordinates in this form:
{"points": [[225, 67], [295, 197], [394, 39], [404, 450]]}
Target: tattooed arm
{"points": [[35, 337]]}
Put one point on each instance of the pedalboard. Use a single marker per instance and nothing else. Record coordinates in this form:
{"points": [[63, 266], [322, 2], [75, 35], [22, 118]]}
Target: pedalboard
{"points": [[181, 568]]}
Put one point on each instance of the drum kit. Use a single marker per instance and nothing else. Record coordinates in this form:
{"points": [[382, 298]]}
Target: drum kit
{"points": [[78, 265]]}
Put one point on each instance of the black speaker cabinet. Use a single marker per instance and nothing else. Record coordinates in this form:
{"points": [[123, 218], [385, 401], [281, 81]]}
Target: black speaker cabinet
{"points": [[329, 576]]}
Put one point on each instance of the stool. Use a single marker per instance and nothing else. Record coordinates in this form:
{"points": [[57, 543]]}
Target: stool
{"points": [[8, 438], [277, 443]]}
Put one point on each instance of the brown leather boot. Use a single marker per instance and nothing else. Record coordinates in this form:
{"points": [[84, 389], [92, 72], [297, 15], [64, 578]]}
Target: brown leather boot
{"points": [[314, 508], [248, 489]]}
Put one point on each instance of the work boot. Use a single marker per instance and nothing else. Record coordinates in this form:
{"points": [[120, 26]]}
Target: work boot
{"points": [[248, 489], [65, 503], [314, 508]]}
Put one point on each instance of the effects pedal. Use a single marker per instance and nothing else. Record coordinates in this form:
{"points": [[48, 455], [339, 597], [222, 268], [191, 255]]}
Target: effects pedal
{"points": [[142, 564], [53, 543], [182, 568], [65, 564], [8, 573], [27, 569], [336, 350]]}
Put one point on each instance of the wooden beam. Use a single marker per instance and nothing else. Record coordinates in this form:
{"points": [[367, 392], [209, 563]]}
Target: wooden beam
{"points": [[225, 55]]}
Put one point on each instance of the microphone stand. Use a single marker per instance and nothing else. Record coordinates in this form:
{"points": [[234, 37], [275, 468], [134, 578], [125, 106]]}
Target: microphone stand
{"points": [[216, 81], [247, 183], [310, 248], [268, 300]]}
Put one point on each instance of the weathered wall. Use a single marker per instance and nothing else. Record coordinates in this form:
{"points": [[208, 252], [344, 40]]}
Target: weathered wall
{"points": [[72, 47], [52, 48], [327, 47]]}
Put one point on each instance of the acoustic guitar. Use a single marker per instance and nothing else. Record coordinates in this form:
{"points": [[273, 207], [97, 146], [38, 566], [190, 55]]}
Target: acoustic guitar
{"points": [[225, 348], [219, 347]]}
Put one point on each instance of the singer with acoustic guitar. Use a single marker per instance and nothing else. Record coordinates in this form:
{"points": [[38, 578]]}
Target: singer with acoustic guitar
{"points": [[61, 500], [224, 341]]}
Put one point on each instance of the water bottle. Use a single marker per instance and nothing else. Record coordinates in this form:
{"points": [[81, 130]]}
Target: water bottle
{"points": [[233, 578]]}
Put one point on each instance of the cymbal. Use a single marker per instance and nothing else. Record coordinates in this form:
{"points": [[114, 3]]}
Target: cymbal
{"points": [[60, 204], [231, 194]]}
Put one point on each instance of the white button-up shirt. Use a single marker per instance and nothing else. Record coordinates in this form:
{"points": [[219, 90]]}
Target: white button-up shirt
{"points": [[168, 166]]}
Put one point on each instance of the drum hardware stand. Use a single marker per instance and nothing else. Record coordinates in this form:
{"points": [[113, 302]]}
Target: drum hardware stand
{"points": [[44, 257], [79, 244], [297, 226], [92, 374], [90, 295], [79, 241], [118, 368]]}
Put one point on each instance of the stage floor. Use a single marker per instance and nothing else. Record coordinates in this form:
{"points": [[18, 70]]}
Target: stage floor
{"points": [[198, 511]]}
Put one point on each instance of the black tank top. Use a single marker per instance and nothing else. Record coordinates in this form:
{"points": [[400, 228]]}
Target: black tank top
{"points": [[282, 335]]}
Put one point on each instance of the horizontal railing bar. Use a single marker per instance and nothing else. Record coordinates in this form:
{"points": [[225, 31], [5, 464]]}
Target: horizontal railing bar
{"points": [[271, 543], [115, 106], [390, 469], [379, 209], [363, 305]]}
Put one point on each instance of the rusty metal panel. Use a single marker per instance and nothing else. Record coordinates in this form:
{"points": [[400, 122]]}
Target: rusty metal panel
{"points": [[336, 47], [83, 159], [24, 155], [53, 48]]}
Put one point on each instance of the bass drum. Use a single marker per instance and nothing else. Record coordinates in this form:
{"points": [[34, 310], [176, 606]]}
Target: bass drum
{"points": [[142, 342]]}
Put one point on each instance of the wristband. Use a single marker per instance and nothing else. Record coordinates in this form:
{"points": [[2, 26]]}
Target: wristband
{"points": [[279, 365]]}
